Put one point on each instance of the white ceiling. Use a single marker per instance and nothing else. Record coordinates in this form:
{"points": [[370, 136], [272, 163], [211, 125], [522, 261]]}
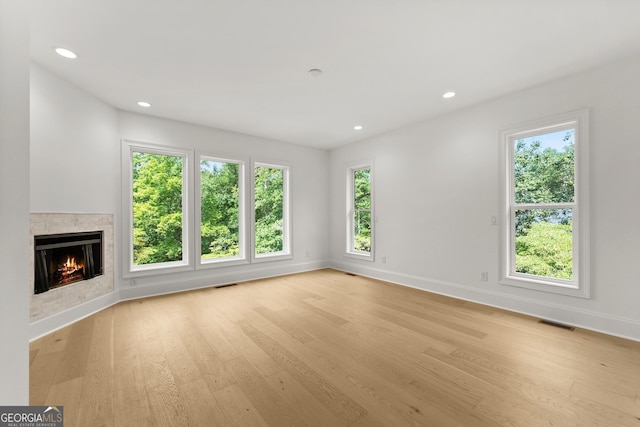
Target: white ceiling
{"points": [[242, 65]]}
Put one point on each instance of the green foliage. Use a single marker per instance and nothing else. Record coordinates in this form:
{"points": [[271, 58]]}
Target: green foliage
{"points": [[543, 176], [219, 227], [544, 236], [546, 250], [269, 205], [157, 208], [362, 210]]}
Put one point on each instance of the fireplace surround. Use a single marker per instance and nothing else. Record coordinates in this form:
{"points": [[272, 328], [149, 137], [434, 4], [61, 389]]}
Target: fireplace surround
{"points": [[55, 230]]}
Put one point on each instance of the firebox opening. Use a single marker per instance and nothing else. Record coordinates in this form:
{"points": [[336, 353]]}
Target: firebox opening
{"points": [[62, 259]]}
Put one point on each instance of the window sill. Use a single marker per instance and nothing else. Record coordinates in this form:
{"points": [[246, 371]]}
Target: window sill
{"points": [[363, 256], [548, 286], [221, 262], [156, 269], [276, 256]]}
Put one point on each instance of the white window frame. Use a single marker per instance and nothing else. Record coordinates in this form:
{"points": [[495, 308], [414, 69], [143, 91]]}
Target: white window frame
{"points": [[287, 242], [243, 240], [131, 270], [579, 285], [349, 251]]}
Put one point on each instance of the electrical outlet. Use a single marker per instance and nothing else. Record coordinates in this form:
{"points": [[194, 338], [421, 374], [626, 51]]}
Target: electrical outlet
{"points": [[307, 254], [384, 259], [494, 220], [484, 276]]}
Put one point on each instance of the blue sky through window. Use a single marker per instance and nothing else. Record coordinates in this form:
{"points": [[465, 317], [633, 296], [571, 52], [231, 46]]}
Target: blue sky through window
{"points": [[555, 140]]}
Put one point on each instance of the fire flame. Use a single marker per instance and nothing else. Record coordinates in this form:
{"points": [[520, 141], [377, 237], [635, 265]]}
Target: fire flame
{"points": [[71, 264], [71, 270], [70, 267]]}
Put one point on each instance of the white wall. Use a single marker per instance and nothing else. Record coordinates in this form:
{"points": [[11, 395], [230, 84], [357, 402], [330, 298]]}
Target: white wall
{"points": [[309, 197], [436, 186], [436, 189], [75, 148], [14, 202], [75, 167]]}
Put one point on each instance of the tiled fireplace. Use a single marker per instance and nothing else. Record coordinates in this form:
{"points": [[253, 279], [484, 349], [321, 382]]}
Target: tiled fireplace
{"points": [[71, 261]]}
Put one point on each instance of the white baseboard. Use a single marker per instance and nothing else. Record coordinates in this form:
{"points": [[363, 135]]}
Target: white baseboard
{"points": [[64, 318], [218, 278], [598, 322], [54, 322]]}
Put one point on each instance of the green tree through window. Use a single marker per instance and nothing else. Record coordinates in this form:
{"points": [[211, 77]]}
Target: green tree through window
{"points": [[157, 208], [544, 195], [269, 205], [220, 198], [362, 210]]}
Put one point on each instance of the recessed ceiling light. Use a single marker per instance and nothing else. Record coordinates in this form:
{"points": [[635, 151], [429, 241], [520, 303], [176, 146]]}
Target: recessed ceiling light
{"points": [[64, 52], [449, 95], [358, 127], [144, 104], [315, 72]]}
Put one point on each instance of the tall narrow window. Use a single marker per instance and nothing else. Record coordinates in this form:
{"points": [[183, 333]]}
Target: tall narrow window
{"points": [[271, 228], [221, 210], [158, 211], [360, 216], [546, 230]]}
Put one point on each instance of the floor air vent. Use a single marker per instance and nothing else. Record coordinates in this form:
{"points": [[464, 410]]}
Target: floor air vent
{"points": [[226, 286], [350, 274], [556, 324]]}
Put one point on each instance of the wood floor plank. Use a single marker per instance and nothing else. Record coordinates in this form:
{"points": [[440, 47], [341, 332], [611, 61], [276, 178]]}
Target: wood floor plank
{"points": [[98, 414], [330, 396], [302, 402], [194, 394], [42, 376], [207, 361], [98, 385], [76, 351], [324, 348], [131, 404], [180, 363], [282, 319], [67, 394], [219, 340], [386, 385], [238, 408], [166, 406], [275, 410]]}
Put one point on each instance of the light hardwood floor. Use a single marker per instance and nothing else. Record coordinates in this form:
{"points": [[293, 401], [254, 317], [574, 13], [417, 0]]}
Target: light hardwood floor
{"points": [[328, 349]]}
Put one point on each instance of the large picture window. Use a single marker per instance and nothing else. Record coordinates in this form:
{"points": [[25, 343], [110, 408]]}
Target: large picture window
{"points": [[271, 211], [179, 217], [544, 244], [221, 210], [360, 212], [157, 207]]}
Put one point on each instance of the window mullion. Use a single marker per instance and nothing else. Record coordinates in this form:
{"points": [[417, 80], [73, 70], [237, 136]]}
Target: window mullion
{"points": [[528, 206]]}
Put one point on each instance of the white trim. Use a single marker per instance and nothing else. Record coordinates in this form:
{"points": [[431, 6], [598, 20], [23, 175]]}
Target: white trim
{"points": [[607, 324], [579, 286], [130, 270], [67, 317], [59, 320], [287, 229], [243, 238], [349, 243]]}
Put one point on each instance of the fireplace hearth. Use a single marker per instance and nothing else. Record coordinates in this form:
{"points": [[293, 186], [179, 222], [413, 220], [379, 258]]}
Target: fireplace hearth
{"points": [[62, 259]]}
